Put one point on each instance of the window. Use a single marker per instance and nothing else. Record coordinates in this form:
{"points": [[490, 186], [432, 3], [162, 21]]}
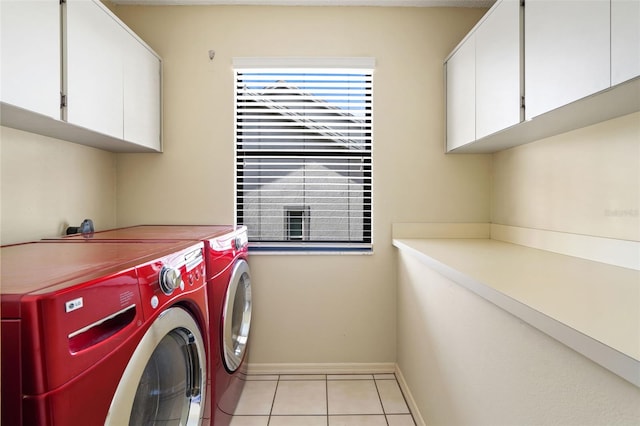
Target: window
{"points": [[297, 226], [303, 154]]}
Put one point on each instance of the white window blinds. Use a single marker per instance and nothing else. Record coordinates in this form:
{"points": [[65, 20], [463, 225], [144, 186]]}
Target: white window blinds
{"points": [[303, 157]]}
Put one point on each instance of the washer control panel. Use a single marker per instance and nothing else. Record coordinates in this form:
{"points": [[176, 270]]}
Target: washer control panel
{"points": [[171, 276], [170, 279]]}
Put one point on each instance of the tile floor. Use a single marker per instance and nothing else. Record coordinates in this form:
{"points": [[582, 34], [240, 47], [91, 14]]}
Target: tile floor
{"points": [[322, 400]]}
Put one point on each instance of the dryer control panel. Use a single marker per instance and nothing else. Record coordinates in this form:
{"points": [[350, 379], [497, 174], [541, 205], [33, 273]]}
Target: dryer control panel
{"points": [[171, 276]]}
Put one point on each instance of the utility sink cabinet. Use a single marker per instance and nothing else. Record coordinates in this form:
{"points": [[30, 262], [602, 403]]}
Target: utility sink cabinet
{"points": [[106, 86]]}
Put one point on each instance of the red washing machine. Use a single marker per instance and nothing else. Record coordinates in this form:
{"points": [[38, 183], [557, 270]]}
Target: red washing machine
{"points": [[229, 292], [106, 333]]}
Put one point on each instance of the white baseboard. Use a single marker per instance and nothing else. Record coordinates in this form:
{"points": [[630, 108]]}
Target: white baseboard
{"points": [[413, 406], [323, 368]]}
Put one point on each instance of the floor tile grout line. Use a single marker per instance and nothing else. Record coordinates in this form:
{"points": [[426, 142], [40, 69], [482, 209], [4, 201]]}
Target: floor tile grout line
{"points": [[279, 378], [326, 387], [375, 383], [404, 398], [273, 401]]}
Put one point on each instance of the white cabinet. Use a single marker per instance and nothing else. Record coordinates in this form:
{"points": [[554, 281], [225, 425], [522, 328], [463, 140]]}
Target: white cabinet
{"points": [[498, 75], [484, 79], [461, 87], [625, 40], [110, 79], [142, 102], [567, 51], [94, 76], [113, 79], [30, 55], [581, 61]]}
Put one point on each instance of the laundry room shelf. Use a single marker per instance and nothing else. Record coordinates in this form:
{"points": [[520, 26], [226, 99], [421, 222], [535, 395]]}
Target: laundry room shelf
{"points": [[590, 306]]}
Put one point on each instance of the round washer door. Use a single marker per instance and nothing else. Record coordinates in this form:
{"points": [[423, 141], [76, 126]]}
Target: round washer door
{"points": [[165, 379], [236, 319]]}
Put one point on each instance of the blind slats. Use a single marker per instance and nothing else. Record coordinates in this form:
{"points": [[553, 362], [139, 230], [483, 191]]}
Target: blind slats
{"points": [[303, 157]]}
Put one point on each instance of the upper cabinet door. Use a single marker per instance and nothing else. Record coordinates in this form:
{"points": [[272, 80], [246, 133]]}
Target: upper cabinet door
{"points": [[567, 52], [461, 87], [498, 73], [625, 40], [94, 75], [30, 55], [142, 103]]}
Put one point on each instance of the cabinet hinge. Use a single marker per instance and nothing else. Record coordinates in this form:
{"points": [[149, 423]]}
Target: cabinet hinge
{"points": [[63, 101], [63, 1], [521, 2], [521, 101]]}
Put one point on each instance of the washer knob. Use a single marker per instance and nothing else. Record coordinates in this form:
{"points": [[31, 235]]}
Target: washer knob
{"points": [[170, 279], [237, 243]]}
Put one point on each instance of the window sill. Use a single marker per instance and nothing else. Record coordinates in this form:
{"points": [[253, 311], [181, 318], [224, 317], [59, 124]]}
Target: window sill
{"points": [[308, 251]]}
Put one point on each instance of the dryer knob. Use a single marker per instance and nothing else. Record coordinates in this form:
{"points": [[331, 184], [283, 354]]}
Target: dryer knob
{"points": [[170, 279]]}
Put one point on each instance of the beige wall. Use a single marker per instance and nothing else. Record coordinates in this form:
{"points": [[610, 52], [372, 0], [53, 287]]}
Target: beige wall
{"points": [[468, 362], [586, 182], [475, 364], [48, 184], [308, 309]]}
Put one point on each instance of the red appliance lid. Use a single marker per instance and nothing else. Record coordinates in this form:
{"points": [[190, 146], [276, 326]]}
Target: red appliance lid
{"points": [[158, 232], [47, 265]]}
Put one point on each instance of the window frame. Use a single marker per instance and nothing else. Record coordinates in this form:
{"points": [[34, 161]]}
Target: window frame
{"points": [[363, 66]]}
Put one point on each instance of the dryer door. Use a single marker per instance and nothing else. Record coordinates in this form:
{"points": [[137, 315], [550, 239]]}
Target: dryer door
{"points": [[236, 319], [165, 379]]}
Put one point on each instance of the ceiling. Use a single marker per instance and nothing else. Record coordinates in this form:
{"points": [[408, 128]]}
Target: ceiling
{"points": [[387, 3]]}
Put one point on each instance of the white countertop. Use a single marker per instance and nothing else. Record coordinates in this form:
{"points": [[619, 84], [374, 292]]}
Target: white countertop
{"points": [[592, 307]]}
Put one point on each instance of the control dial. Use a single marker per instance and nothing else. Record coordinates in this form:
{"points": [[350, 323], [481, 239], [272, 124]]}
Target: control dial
{"points": [[170, 279], [237, 243]]}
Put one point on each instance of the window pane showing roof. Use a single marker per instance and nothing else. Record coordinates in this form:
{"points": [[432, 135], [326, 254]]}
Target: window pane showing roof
{"points": [[303, 139]]}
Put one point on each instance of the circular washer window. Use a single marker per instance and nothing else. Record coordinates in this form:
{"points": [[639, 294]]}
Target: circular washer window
{"points": [[164, 381], [236, 316]]}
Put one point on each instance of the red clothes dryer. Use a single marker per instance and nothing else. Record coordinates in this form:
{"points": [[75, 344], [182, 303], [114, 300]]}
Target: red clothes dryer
{"points": [[230, 302], [105, 333]]}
